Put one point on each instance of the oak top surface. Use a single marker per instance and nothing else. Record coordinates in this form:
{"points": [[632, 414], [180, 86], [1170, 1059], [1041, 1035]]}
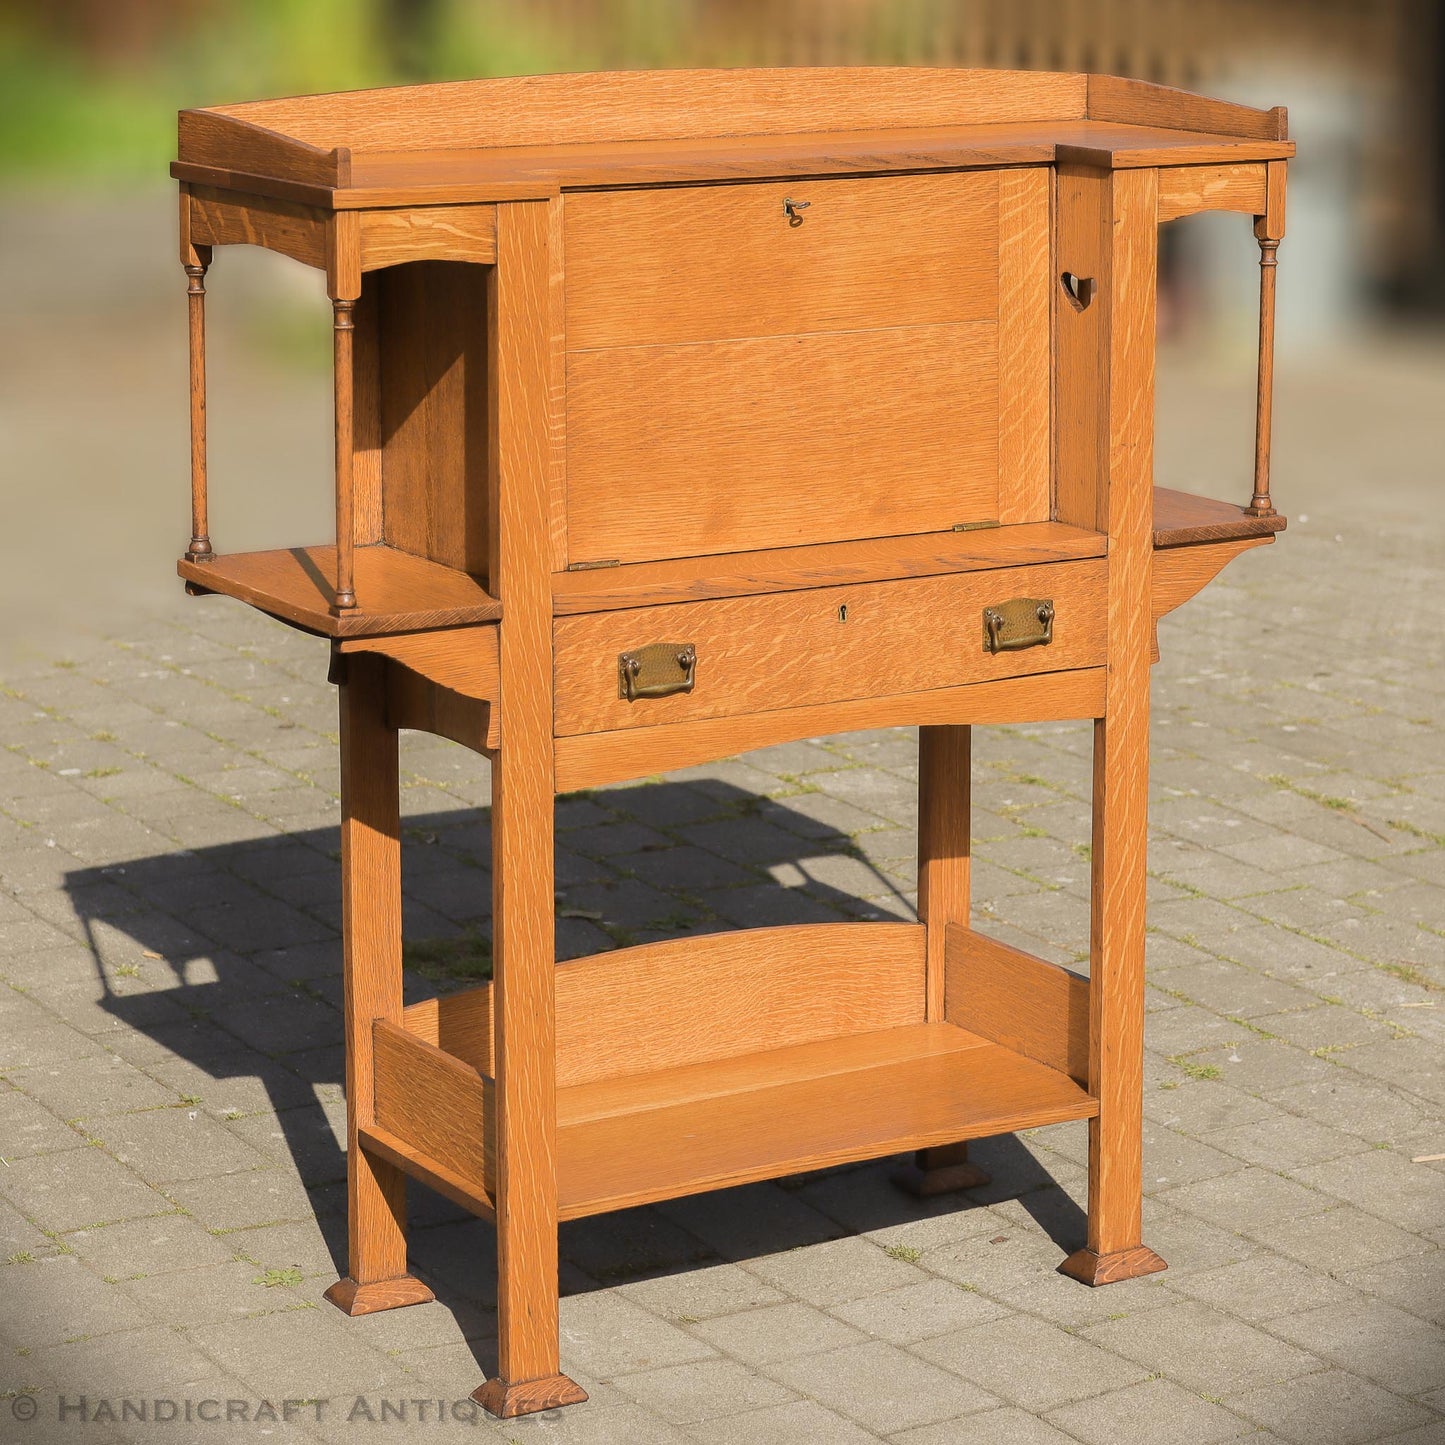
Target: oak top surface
{"points": [[525, 137]]}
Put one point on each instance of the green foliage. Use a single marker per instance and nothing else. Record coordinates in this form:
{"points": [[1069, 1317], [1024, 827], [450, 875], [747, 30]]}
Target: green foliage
{"points": [[66, 111], [468, 957]]}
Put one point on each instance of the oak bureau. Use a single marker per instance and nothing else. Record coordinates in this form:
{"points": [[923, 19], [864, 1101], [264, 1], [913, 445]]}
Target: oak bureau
{"points": [[689, 412]]}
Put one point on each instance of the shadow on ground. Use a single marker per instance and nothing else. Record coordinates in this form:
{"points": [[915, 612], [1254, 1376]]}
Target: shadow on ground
{"points": [[270, 1012]]}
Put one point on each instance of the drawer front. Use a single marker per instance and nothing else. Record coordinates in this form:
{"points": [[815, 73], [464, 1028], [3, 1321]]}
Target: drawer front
{"points": [[760, 654], [738, 379]]}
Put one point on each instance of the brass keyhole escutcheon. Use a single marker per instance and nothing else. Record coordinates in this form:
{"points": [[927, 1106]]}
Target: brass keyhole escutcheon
{"points": [[793, 210], [1079, 289]]}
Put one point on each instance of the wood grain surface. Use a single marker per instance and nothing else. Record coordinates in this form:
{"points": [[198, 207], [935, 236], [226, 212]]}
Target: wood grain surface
{"points": [[593, 760], [398, 592], [433, 414], [822, 1116], [1025, 302], [463, 660], [945, 844], [1181, 572], [725, 262], [623, 106], [371, 952], [831, 644], [231, 218], [775, 441], [1034, 1008], [1186, 190], [1122, 393], [435, 1102], [1182, 519], [428, 233], [795, 569], [520, 394], [690, 1000]]}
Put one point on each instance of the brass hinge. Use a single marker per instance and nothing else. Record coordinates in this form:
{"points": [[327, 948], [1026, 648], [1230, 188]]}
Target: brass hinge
{"points": [[972, 526], [593, 566]]}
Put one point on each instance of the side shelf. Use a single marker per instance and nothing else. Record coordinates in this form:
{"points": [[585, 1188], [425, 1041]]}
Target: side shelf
{"points": [[1195, 538], [398, 592]]}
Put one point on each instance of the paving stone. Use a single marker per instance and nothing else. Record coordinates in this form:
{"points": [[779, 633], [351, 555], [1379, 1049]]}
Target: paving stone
{"points": [[883, 1388], [1135, 1415], [1324, 1026], [52, 1300], [777, 1332], [802, 1423], [91, 1087], [1385, 1183], [1368, 1337], [1283, 1141], [1246, 1198], [1262, 1288], [705, 1390], [77, 1188], [835, 1272], [1339, 1239], [1030, 1362], [1369, 1110], [28, 1128], [1202, 1350], [238, 1201], [1021, 1271], [610, 1335], [918, 1311], [167, 1145], [151, 1246], [209, 1294], [1414, 1282], [755, 1220], [700, 1293], [1330, 1405], [1337, 712]]}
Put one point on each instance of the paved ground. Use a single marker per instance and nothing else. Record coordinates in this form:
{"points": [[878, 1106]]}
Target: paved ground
{"points": [[170, 1104]]}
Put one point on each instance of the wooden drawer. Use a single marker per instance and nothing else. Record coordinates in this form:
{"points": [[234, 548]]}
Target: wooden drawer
{"points": [[738, 380], [762, 653]]}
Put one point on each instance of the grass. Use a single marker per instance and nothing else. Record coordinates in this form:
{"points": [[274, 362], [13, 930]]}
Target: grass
{"points": [[271, 1278], [908, 1253], [1195, 1070], [468, 957]]}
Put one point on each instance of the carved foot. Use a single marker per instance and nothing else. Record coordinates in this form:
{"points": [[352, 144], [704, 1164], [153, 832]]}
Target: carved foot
{"points": [[1095, 1269], [384, 1294], [528, 1396], [944, 1170]]}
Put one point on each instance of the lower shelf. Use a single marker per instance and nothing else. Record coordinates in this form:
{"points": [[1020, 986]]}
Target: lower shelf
{"points": [[683, 1130], [629, 1141]]}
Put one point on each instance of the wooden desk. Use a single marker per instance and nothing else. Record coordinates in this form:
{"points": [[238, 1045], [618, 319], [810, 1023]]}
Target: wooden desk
{"points": [[684, 413]]}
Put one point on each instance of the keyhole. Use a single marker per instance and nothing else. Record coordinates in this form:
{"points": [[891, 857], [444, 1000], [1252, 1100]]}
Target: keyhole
{"points": [[1079, 289], [843, 613]]}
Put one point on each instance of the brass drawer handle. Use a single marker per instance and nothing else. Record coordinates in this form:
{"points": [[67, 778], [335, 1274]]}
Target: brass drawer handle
{"points": [[657, 670], [1019, 623]]}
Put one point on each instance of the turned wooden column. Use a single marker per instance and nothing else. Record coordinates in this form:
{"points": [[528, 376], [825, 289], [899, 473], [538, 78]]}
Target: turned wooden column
{"points": [[1260, 504], [1268, 231], [344, 331], [200, 546]]}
